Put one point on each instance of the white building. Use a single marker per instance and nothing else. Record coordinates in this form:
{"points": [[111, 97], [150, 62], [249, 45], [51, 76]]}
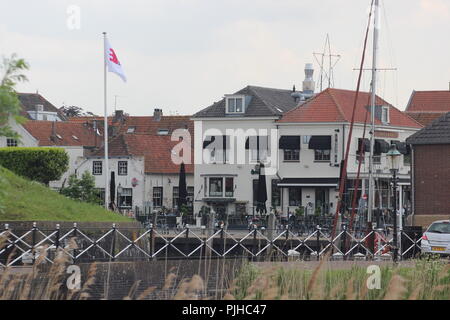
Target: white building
{"points": [[302, 141]]}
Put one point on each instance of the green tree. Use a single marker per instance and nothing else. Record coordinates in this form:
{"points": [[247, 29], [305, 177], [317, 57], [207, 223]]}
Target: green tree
{"points": [[82, 189], [11, 70]]}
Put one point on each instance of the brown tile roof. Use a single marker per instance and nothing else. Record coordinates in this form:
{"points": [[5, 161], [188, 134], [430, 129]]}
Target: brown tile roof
{"points": [[336, 105], [156, 150], [429, 101], [70, 134]]}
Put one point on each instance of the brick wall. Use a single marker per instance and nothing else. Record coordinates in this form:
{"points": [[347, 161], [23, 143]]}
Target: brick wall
{"points": [[432, 180]]}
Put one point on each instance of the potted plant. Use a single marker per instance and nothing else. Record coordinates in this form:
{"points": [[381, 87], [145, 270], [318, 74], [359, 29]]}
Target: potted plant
{"points": [[318, 211], [300, 211]]}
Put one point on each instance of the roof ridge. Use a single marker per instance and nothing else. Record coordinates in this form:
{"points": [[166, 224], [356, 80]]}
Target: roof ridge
{"points": [[337, 103], [264, 101]]}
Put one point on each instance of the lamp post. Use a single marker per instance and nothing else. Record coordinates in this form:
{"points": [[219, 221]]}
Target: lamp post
{"points": [[393, 157], [119, 193]]}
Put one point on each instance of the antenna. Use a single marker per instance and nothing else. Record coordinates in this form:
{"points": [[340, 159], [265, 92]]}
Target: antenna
{"points": [[331, 59]]}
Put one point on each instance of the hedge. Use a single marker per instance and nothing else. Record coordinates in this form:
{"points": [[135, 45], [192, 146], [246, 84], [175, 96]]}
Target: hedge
{"points": [[38, 164]]}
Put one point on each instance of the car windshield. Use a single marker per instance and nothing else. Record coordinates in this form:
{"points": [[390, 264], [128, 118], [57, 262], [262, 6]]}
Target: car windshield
{"points": [[439, 227]]}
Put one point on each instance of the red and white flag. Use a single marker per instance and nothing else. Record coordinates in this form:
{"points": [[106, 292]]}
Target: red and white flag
{"points": [[113, 62]]}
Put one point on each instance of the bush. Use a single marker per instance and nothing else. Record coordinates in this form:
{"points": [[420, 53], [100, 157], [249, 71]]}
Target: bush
{"points": [[39, 164], [82, 189]]}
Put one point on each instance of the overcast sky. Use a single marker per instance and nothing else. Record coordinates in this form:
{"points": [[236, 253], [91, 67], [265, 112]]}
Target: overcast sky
{"points": [[182, 55]]}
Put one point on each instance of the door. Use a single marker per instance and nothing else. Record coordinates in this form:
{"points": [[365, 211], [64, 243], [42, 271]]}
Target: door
{"points": [[322, 200]]}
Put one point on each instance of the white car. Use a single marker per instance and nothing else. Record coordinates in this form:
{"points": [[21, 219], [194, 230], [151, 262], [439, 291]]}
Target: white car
{"points": [[436, 239]]}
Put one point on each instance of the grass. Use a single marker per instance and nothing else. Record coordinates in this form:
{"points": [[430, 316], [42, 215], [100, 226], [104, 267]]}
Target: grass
{"points": [[24, 200], [426, 280]]}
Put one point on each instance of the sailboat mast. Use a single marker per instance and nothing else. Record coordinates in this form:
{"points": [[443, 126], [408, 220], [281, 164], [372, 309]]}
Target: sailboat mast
{"points": [[371, 197]]}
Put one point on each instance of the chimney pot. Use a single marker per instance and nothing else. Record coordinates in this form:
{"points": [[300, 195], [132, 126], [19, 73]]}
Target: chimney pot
{"points": [[157, 114]]}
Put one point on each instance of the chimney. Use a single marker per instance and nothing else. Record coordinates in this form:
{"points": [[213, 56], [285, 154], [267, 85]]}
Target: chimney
{"points": [[157, 114], [53, 134], [308, 83]]}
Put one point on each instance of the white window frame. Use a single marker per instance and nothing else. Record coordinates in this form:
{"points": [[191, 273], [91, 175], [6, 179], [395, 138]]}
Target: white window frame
{"points": [[385, 111], [234, 97], [94, 172], [11, 142], [120, 167]]}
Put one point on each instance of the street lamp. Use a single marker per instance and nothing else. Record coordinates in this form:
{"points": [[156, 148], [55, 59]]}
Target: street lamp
{"points": [[393, 157], [119, 193]]}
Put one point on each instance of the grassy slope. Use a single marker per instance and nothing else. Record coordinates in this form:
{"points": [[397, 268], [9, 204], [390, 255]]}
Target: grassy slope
{"points": [[30, 201]]}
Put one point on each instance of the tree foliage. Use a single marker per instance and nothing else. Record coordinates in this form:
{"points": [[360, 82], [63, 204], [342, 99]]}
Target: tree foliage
{"points": [[38, 164], [11, 70], [74, 111], [82, 189]]}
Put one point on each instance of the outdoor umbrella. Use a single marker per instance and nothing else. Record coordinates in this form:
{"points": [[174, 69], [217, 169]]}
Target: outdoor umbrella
{"points": [[182, 190], [112, 190], [262, 192]]}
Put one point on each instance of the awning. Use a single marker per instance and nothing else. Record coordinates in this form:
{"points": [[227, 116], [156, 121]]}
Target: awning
{"points": [[256, 142], [308, 182], [289, 142], [320, 143], [381, 146], [401, 146], [211, 139], [365, 144]]}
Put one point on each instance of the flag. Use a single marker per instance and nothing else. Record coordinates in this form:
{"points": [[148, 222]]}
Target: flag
{"points": [[113, 62]]}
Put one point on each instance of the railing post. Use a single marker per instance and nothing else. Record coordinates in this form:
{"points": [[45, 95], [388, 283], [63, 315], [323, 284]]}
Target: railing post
{"points": [[222, 238], [57, 236], [75, 236], [33, 241], [152, 241], [287, 239], [186, 245], [318, 242], [113, 244], [255, 250], [344, 241]]}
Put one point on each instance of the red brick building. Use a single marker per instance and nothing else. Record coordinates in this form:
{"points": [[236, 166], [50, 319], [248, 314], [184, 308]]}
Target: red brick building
{"points": [[431, 171]]}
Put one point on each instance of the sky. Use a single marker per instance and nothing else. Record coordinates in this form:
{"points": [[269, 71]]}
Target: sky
{"points": [[183, 55]]}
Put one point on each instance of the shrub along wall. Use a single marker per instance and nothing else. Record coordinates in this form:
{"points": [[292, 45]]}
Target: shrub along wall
{"points": [[38, 164]]}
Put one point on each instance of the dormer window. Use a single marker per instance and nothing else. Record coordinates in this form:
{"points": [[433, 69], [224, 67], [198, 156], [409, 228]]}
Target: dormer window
{"points": [[385, 114], [163, 132], [235, 104], [131, 129]]}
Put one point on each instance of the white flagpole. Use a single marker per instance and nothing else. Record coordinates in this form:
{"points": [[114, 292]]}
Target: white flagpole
{"points": [[105, 133]]}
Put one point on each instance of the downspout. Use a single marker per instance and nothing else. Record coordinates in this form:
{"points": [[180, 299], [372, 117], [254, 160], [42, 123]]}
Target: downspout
{"points": [[413, 187]]}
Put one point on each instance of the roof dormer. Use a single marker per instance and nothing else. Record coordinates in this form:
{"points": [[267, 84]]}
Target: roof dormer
{"points": [[235, 104]]}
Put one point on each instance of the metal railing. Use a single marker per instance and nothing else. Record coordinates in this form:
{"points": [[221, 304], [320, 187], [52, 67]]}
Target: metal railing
{"points": [[19, 247]]}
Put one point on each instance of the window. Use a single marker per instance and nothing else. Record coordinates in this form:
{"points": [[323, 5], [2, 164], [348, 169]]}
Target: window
{"points": [[407, 159], [306, 139], [190, 194], [101, 194], [122, 168], [219, 148], [229, 187], [258, 146], [163, 132], [385, 115], [215, 187], [276, 194], [235, 105], [157, 196], [322, 155], [11, 142], [291, 155], [125, 198], [131, 129], [97, 168], [295, 196], [175, 195]]}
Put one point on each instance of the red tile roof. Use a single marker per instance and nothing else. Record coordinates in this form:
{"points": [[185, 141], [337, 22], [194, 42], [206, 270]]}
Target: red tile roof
{"points": [[336, 105], [156, 150], [425, 118], [65, 133], [144, 124], [429, 101]]}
